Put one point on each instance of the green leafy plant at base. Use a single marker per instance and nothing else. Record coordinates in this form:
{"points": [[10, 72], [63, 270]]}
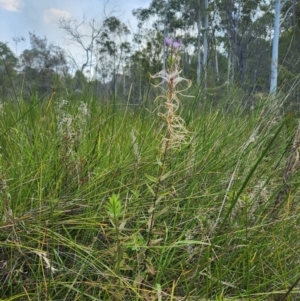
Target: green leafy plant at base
{"points": [[115, 211]]}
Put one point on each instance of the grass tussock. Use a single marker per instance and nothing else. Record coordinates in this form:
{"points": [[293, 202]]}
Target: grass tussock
{"points": [[93, 207]]}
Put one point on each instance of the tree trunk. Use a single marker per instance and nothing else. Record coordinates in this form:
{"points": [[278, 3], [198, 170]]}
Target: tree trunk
{"points": [[199, 45], [165, 36], [229, 66], [274, 62], [217, 63], [205, 42]]}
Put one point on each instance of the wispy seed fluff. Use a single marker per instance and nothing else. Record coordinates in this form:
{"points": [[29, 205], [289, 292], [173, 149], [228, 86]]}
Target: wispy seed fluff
{"points": [[177, 134]]}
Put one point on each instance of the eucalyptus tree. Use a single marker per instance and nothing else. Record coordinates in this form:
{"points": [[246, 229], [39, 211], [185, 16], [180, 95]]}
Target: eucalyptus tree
{"points": [[289, 14], [258, 54], [200, 13], [285, 15], [42, 55], [168, 17], [288, 49], [42, 62], [163, 12], [17, 40], [205, 38], [113, 50], [236, 19], [195, 21], [145, 59], [8, 65], [8, 61], [274, 63]]}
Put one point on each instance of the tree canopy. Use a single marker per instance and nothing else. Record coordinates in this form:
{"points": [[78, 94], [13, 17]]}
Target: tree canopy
{"points": [[225, 43]]}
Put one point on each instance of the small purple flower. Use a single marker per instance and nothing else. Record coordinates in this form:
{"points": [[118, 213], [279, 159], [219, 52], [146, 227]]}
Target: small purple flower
{"points": [[168, 41], [177, 44]]}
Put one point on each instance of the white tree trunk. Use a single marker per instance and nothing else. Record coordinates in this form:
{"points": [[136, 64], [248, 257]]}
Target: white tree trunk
{"points": [[199, 45], [165, 36], [217, 63], [229, 65], [205, 42], [274, 62]]}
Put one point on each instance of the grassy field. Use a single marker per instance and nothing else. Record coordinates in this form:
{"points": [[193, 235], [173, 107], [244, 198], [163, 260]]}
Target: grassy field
{"points": [[94, 207]]}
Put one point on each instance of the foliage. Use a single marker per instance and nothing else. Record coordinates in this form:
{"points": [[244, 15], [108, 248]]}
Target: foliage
{"points": [[41, 64], [8, 64], [113, 49], [103, 197], [225, 43], [77, 189]]}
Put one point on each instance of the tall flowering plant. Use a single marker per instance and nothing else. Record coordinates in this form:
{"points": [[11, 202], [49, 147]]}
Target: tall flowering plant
{"points": [[177, 133]]}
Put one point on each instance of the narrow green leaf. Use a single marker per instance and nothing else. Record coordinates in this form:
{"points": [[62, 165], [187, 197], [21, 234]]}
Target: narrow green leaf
{"points": [[150, 178]]}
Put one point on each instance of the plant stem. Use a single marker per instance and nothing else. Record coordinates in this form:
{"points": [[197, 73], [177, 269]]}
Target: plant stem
{"points": [[155, 198]]}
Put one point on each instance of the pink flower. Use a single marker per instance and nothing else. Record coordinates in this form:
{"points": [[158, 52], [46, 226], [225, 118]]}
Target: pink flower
{"points": [[177, 44], [168, 41]]}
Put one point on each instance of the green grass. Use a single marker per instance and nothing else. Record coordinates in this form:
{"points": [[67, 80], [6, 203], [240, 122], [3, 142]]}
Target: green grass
{"points": [[78, 192]]}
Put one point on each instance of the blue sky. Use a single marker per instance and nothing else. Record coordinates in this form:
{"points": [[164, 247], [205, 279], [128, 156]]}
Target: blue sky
{"points": [[18, 17]]}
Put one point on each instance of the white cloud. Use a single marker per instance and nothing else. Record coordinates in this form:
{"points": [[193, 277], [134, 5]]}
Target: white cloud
{"points": [[11, 5], [52, 15]]}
